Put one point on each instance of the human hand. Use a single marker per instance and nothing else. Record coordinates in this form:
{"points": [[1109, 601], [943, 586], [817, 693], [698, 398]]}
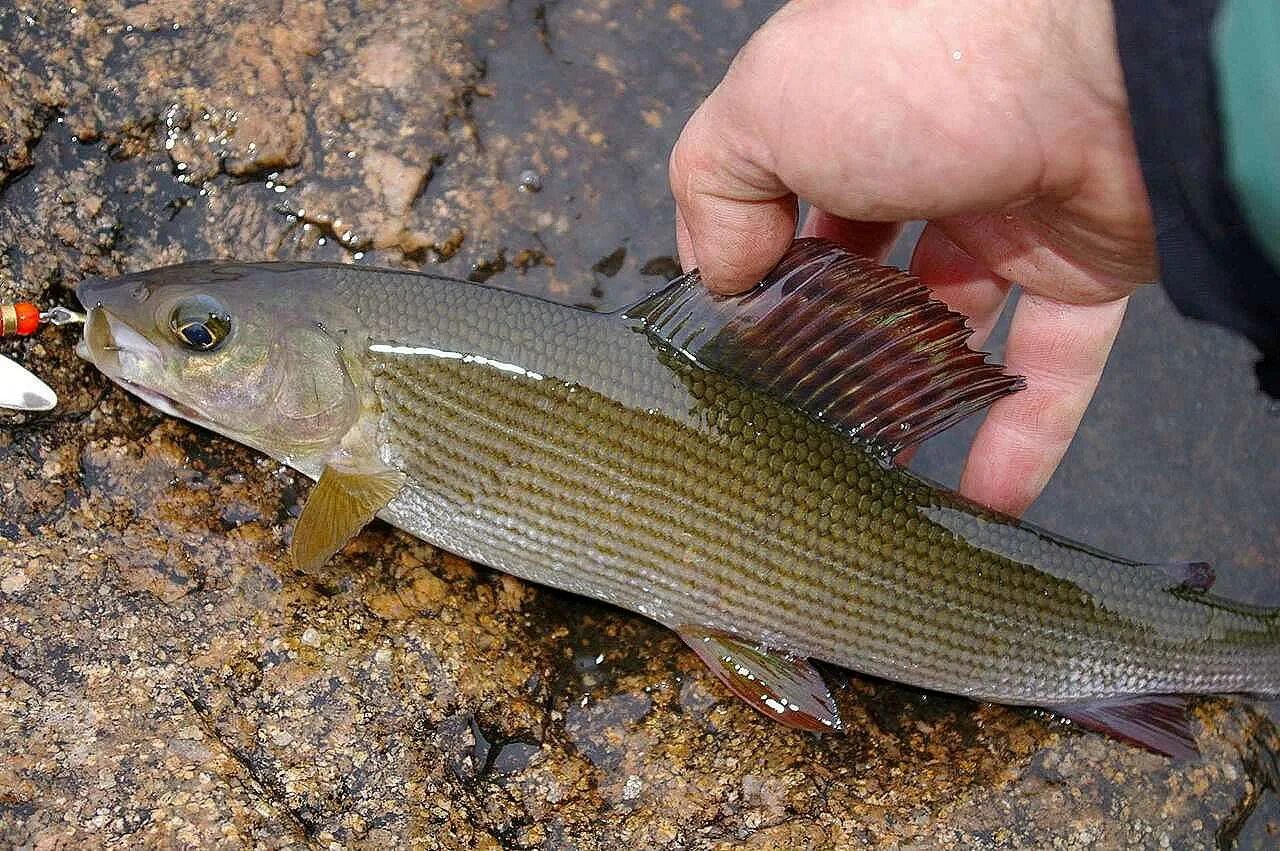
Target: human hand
{"points": [[1003, 123]]}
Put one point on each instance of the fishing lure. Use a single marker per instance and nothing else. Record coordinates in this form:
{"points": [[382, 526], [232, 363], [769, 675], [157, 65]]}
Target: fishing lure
{"points": [[19, 388], [22, 319]]}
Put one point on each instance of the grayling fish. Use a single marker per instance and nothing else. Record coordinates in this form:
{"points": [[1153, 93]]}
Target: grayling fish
{"points": [[721, 465]]}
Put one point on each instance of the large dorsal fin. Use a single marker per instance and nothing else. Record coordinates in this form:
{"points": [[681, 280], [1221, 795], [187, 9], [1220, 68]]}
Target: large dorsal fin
{"points": [[853, 343]]}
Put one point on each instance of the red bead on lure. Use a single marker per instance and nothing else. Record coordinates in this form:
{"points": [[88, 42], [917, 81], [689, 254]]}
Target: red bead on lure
{"points": [[22, 319]]}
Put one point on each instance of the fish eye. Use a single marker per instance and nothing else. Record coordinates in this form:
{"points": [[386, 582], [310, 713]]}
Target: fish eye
{"points": [[200, 323]]}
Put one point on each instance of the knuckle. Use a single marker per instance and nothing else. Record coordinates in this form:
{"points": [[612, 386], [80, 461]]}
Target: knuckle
{"points": [[690, 162], [680, 164], [1050, 412], [790, 27]]}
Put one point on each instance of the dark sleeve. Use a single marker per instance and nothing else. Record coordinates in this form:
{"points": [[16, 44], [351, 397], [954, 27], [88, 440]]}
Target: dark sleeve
{"points": [[1210, 264]]}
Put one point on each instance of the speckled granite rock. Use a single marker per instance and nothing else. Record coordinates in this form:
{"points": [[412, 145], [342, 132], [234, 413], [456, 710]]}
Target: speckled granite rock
{"points": [[167, 680]]}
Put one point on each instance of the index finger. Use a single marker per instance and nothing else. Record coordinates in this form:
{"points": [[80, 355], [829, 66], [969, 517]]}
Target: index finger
{"points": [[734, 216]]}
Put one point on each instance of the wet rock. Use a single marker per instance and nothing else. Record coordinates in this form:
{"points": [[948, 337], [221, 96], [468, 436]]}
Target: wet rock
{"points": [[167, 678], [25, 119]]}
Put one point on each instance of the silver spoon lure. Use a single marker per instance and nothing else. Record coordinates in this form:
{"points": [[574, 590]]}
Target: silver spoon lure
{"points": [[21, 390]]}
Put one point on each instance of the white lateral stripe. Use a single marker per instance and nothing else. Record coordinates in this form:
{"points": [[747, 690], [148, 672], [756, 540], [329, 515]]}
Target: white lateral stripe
{"points": [[414, 350], [384, 348]]}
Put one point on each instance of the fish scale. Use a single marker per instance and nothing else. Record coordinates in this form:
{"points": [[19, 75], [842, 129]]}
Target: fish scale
{"points": [[860, 600], [719, 465]]}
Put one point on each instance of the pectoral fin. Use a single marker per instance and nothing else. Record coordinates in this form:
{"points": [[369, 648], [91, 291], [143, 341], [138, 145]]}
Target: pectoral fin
{"points": [[346, 498], [784, 687]]}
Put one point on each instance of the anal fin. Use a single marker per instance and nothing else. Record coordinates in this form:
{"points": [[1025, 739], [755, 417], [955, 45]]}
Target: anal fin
{"points": [[344, 500], [786, 688], [1158, 722]]}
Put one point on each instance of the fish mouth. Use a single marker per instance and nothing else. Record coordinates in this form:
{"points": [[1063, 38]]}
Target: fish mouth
{"points": [[126, 357], [111, 344]]}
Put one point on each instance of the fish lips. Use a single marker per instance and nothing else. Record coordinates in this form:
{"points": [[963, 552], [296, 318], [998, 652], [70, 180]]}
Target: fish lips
{"points": [[127, 358], [106, 335], [115, 348], [97, 345]]}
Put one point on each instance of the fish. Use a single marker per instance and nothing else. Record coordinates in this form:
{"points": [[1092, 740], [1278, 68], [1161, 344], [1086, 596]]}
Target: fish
{"points": [[723, 465]]}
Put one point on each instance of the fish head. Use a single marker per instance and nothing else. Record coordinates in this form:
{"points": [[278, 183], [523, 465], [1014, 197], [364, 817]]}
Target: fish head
{"points": [[226, 347]]}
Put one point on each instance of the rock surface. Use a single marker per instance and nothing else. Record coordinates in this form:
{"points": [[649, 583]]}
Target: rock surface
{"points": [[167, 680]]}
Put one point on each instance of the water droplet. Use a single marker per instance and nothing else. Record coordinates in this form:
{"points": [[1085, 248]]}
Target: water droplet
{"points": [[530, 181]]}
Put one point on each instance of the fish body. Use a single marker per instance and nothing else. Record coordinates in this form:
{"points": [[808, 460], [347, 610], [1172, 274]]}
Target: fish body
{"points": [[654, 459]]}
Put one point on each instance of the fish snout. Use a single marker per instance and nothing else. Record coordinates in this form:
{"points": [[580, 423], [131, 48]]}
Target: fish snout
{"points": [[124, 294], [98, 346], [117, 349], [89, 291]]}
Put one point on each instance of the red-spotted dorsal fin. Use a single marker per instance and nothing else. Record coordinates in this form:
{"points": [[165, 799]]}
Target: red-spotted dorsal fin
{"points": [[853, 343]]}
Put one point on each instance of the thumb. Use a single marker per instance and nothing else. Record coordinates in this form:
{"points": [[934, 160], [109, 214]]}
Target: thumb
{"points": [[735, 217]]}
